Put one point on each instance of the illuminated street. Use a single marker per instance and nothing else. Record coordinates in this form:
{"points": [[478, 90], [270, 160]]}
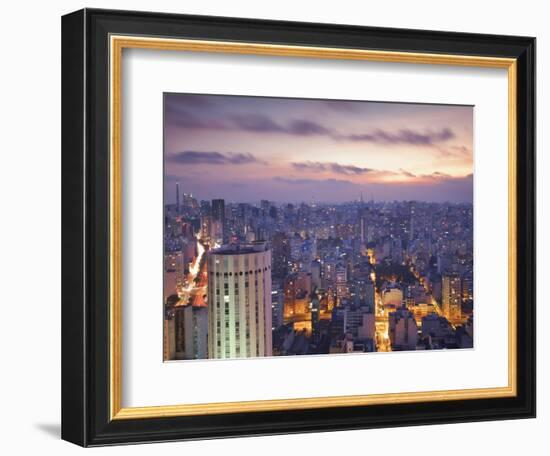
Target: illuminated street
{"points": [[195, 291], [383, 343]]}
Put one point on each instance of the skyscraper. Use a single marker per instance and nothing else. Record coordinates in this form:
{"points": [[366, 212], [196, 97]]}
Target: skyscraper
{"points": [[185, 332], [297, 291], [280, 244], [264, 205], [315, 274], [177, 197], [191, 328], [277, 305], [218, 221], [363, 214], [169, 336], [174, 268], [315, 314], [363, 293], [342, 289], [451, 296], [239, 301]]}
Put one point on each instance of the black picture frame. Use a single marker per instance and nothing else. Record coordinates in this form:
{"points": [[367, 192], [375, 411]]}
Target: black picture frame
{"points": [[85, 225]]}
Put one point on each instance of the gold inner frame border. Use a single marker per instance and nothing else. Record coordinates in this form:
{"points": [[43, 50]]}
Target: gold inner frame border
{"points": [[116, 46]]}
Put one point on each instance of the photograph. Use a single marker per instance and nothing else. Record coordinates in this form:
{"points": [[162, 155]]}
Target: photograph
{"points": [[315, 226]]}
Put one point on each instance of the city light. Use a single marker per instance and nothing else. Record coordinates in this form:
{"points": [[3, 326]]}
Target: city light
{"points": [[322, 294]]}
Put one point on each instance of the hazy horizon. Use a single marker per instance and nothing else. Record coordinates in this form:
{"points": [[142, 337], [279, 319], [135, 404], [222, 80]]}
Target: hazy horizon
{"points": [[171, 200]]}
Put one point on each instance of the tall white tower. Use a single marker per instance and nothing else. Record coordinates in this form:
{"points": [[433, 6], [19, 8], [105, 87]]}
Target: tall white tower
{"points": [[239, 301]]}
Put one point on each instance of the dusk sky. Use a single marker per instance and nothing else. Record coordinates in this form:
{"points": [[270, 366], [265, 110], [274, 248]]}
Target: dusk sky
{"points": [[245, 149]]}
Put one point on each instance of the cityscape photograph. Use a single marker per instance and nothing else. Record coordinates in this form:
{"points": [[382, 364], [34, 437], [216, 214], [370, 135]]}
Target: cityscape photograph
{"points": [[315, 226]]}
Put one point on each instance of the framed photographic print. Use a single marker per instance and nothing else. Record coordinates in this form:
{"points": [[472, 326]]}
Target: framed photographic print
{"points": [[278, 227]]}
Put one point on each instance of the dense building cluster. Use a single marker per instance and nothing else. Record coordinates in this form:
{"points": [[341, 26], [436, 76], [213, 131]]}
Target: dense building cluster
{"points": [[265, 279]]}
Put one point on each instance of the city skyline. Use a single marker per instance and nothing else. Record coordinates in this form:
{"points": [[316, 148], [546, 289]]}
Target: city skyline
{"points": [[290, 150], [305, 227], [247, 280]]}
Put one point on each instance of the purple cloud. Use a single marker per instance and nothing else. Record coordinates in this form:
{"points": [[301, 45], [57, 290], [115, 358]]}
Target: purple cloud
{"points": [[184, 119], [307, 128], [177, 115], [256, 123], [405, 136], [348, 170], [440, 177], [263, 124], [192, 157], [331, 166], [458, 151]]}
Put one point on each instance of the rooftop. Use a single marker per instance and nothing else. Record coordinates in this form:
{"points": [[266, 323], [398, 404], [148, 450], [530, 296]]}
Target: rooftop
{"points": [[239, 249]]}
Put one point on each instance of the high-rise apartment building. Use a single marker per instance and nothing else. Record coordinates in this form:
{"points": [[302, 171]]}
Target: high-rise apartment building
{"points": [[280, 245], [191, 328], [186, 333], [451, 296], [362, 293], [342, 289], [239, 301]]}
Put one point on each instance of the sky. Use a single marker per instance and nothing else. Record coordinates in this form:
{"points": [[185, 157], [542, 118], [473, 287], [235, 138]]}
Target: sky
{"points": [[245, 149]]}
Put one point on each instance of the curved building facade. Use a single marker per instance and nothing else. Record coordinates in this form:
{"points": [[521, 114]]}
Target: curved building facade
{"points": [[239, 301]]}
